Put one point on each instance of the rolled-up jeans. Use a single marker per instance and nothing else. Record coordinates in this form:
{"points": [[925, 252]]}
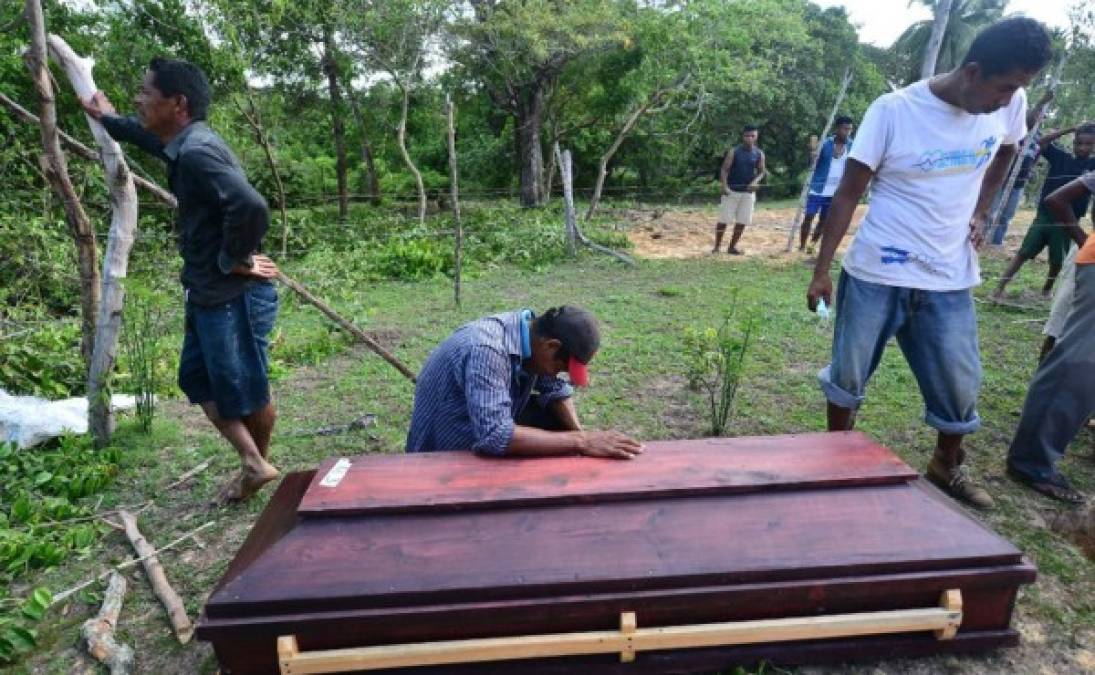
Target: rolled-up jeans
{"points": [[937, 333]]}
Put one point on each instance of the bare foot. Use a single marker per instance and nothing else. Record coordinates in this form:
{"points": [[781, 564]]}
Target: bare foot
{"points": [[230, 493], [252, 478], [735, 251]]}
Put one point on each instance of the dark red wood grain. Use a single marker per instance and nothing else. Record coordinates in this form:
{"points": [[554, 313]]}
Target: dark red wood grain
{"points": [[694, 532], [715, 466], [390, 560]]}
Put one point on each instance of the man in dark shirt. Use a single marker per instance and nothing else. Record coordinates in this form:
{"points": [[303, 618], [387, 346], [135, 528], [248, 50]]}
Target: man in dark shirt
{"points": [[1046, 231], [740, 176], [231, 301]]}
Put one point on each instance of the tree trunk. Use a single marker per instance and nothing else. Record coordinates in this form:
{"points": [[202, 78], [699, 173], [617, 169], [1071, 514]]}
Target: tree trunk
{"points": [[123, 226], [453, 174], [530, 109], [55, 167], [254, 120], [570, 219], [402, 137], [372, 179], [939, 29], [602, 168], [330, 68]]}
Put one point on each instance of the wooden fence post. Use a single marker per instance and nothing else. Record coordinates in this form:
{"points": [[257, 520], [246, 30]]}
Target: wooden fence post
{"points": [[459, 230]]}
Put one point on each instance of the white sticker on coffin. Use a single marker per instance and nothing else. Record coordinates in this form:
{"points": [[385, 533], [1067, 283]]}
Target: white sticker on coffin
{"points": [[335, 475]]}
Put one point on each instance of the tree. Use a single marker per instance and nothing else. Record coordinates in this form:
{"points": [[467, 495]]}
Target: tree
{"points": [[394, 36], [965, 19], [517, 51], [935, 41]]}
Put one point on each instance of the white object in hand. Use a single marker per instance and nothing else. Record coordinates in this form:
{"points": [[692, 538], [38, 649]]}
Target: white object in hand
{"points": [[822, 308]]}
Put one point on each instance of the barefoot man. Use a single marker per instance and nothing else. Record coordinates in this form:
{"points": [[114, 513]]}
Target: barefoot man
{"points": [[231, 301]]}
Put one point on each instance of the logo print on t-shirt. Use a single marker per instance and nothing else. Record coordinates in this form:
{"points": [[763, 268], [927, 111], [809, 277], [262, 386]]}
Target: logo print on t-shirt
{"points": [[957, 161]]}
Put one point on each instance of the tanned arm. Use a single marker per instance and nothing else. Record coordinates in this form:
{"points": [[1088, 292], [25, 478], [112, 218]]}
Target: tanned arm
{"points": [[1059, 202], [857, 176]]}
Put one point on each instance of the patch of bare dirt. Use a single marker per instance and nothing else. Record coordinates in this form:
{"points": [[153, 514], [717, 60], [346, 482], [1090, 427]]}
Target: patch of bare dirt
{"points": [[690, 232]]}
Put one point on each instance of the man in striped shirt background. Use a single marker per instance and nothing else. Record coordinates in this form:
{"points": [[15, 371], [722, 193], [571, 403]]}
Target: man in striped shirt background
{"points": [[493, 387]]}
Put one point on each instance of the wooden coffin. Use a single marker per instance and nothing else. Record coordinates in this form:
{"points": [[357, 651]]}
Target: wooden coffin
{"points": [[696, 556]]}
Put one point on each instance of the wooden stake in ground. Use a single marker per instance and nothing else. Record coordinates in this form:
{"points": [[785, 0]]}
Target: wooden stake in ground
{"points": [[55, 167], [176, 613], [813, 160], [99, 631], [123, 226], [459, 229]]}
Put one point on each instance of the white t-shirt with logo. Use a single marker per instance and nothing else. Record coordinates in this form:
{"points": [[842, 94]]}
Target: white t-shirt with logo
{"points": [[929, 158]]}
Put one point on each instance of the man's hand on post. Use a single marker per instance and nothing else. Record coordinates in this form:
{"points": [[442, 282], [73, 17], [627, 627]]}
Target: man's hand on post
{"points": [[262, 267], [98, 105], [610, 444], [821, 287]]}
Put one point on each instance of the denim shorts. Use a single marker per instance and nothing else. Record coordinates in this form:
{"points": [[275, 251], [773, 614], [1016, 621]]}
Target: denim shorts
{"points": [[937, 332], [224, 353]]}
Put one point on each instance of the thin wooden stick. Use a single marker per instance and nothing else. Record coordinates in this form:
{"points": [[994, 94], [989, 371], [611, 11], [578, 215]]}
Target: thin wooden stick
{"points": [[458, 252], [566, 169], [87, 153], [346, 325], [63, 595], [99, 631], [171, 601], [190, 474], [813, 160]]}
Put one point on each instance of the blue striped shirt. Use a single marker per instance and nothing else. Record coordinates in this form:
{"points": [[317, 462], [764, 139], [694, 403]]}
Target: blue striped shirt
{"points": [[472, 388]]}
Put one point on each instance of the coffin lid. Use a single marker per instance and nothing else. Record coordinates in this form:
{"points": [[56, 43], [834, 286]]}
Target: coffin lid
{"points": [[426, 482], [717, 518]]}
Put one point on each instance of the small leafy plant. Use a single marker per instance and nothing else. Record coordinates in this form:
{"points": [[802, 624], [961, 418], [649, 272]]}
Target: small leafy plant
{"points": [[714, 360]]}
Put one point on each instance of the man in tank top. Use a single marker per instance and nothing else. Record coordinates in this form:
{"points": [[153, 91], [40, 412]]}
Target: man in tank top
{"points": [[740, 175]]}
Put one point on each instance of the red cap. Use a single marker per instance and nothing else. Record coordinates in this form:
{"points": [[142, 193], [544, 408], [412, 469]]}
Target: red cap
{"points": [[579, 372]]}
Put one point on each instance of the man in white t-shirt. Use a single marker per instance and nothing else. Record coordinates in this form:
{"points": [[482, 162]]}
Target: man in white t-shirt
{"points": [[938, 151]]}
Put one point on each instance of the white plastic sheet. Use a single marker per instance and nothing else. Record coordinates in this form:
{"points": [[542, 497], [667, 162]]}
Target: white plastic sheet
{"points": [[29, 420]]}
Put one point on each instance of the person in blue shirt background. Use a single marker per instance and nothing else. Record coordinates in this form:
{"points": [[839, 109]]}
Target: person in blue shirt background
{"points": [[827, 173], [492, 387]]}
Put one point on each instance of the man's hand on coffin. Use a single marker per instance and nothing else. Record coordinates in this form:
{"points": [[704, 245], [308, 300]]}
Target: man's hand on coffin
{"points": [[611, 444]]}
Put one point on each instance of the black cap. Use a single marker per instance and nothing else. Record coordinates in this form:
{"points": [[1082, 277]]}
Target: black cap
{"points": [[574, 327]]}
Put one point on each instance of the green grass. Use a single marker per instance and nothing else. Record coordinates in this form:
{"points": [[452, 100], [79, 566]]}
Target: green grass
{"points": [[638, 386]]}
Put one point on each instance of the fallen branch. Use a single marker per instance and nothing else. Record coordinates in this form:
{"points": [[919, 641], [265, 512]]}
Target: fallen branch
{"points": [[63, 595], [99, 631], [171, 601], [346, 325], [190, 474]]}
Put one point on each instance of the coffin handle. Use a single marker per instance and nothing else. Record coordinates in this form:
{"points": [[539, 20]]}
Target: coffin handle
{"points": [[943, 621]]}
